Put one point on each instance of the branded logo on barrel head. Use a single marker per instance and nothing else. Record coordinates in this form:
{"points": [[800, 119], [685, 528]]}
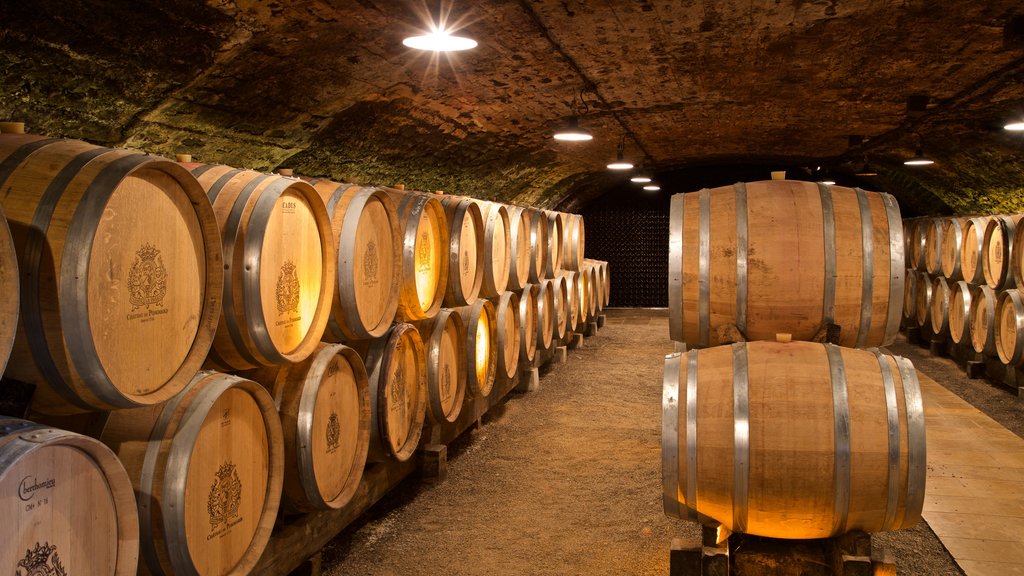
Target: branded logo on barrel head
{"points": [[30, 484], [398, 385], [370, 262], [225, 497], [288, 289], [465, 262], [333, 433], [147, 279], [41, 561], [423, 252]]}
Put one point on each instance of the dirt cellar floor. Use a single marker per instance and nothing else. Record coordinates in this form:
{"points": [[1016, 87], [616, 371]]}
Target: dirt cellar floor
{"points": [[563, 480]]}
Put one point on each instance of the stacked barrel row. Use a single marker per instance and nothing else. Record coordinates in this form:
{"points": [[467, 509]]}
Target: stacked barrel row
{"points": [[229, 344], [766, 429], [965, 276]]}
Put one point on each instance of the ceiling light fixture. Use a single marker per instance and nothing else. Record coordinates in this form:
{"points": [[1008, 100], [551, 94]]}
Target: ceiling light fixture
{"points": [[572, 131], [620, 162], [440, 40], [866, 170], [1015, 126], [640, 179], [652, 187], [919, 159]]}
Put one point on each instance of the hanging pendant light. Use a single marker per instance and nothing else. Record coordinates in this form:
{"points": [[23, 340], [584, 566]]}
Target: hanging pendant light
{"points": [[620, 162], [572, 132], [652, 187], [919, 159], [1017, 126], [440, 40]]}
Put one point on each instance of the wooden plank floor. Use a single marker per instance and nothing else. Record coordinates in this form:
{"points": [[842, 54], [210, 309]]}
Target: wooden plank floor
{"points": [[974, 500]]}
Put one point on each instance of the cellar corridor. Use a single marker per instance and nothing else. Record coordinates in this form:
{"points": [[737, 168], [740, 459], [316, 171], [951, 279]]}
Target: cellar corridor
{"points": [[567, 479]]}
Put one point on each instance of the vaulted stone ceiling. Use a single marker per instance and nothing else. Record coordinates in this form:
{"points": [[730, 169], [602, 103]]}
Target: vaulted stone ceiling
{"points": [[327, 88]]}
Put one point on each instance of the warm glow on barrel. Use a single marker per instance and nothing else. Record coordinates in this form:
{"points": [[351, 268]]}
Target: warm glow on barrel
{"points": [[425, 253], [483, 347]]}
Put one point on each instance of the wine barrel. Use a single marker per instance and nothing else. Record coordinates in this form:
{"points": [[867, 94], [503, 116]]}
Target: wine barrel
{"points": [[497, 248], [546, 314], [923, 299], [933, 236], [593, 292], [424, 229], [1009, 327], [562, 307], [528, 313], [520, 226], [279, 265], [952, 247], [324, 405], [444, 338], [917, 241], [751, 255], [121, 273], [368, 245], [573, 300], [960, 312], [481, 346], [539, 247], [983, 320], [11, 299], [398, 393], [596, 286], [1017, 257], [574, 243], [465, 253], [940, 302], [971, 247], [509, 338], [607, 282], [910, 296], [74, 504], [996, 251], [555, 237], [207, 468], [798, 440]]}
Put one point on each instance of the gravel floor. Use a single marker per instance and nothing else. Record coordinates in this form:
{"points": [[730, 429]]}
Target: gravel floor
{"points": [[567, 479]]}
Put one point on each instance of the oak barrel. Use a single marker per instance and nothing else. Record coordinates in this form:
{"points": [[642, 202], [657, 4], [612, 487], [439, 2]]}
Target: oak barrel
{"points": [[324, 405], [952, 247], [121, 273], [398, 393], [444, 341], [424, 229], [983, 320], [797, 440], [923, 298], [368, 247], [971, 247], [9, 288], [279, 265], [960, 312], [1017, 257], [607, 282], [940, 303], [996, 251], [539, 247], [573, 300], [481, 346], [519, 224], [555, 237], [933, 236], [497, 247], [574, 243], [917, 239], [509, 338], [465, 250], [1009, 327], [67, 501], [207, 468], [528, 313], [785, 256], [593, 291], [546, 314], [910, 295], [562, 304]]}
